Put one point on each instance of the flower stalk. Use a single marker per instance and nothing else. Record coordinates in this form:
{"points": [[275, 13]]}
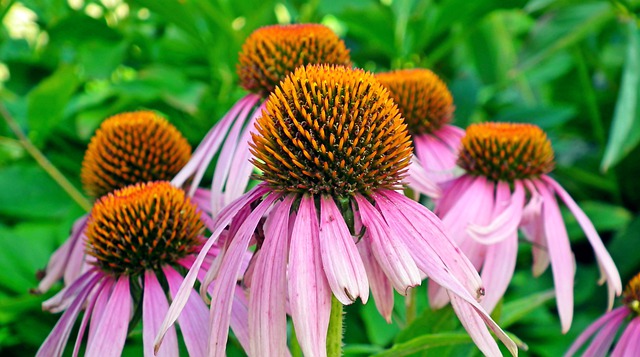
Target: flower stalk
{"points": [[336, 329]]}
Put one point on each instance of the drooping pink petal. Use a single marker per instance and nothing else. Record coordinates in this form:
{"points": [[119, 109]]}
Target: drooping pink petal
{"points": [[389, 251], [629, 343], [112, 330], [506, 218], [102, 298], [438, 152], [381, 287], [419, 180], [222, 296], [607, 266], [621, 312], [193, 319], [562, 262], [154, 307], [209, 146], [309, 290], [267, 315], [601, 343], [221, 222], [452, 136], [240, 318], [532, 225], [88, 312], [68, 294], [452, 190], [497, 270], [55, 343], [340, 259]]}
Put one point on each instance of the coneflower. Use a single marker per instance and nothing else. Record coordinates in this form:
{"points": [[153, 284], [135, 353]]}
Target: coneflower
{"points": [[128, 148], [606, 328], [506, 187], [140, 238], [332, 149], [427, 107], [267, 56]]}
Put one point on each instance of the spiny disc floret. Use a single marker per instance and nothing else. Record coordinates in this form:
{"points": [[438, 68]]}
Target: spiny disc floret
{"points": [[272, 52], [422, 97], [506, 151], [331, 130], [631, 295], [132, 147], [142, 227]]}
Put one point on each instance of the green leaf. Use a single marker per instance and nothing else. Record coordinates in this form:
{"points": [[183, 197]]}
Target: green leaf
{"points": [[625, 128], [513, 311], [378, 330], [46, 102], [426, 342], [430, 321]]}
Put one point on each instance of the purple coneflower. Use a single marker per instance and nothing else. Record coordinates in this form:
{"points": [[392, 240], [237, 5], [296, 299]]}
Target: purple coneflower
{"points": [[332, 149], [506, 187], [267, 56], [606, 328], [128, 148], [140, 238], [427, 107]]}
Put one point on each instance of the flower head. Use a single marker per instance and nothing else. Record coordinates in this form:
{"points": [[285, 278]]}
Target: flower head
{"points": [[332, 149], [138, 237], [606, 328], [506, 188], [272, 52], [132, 147]]}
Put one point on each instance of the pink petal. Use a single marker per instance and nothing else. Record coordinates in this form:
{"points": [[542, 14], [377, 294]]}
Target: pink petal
{"points": [[388, 249], [102, 298], [607, 266], [66, 296], [309, 290], [475, 327], [451, 192], [562, 263], [342, 264], [506, 217], [267, 315], [601, 343], [154, 307], [438, 152], [629, 343], [193, 319], [381, 287], [222, 221], [112, 330], [222, 296], [240, 318], [497, 270], [532, 225], [419, 180], [595, 326]]}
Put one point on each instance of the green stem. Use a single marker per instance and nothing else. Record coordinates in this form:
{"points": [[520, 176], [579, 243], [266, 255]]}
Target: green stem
{"points": [[334, 334], [48, 167], [411, 305]]}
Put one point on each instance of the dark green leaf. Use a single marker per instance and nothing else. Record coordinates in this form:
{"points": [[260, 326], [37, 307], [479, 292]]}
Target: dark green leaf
{"points": [[426, 342]]}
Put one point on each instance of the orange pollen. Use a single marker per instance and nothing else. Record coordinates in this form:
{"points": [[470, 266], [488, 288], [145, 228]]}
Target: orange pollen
{"points": [[506, 151], [270, 53], [631, 295], [331, 130], [142, 227], [422, 97], [132, 147]]}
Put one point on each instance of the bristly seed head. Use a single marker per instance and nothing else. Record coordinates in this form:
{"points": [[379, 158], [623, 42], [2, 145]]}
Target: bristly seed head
{"points": [[142, 227], [506, 151], [132, 147], [631, 295], [423, 99], [331, 130], [270, 53]]}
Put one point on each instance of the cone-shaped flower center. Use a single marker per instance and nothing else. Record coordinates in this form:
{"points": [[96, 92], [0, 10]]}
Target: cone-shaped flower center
{"points": [[632, 294], [423, 99], [506, 151], [331, 130], [270, 53], [132, 147], [141, 227]]}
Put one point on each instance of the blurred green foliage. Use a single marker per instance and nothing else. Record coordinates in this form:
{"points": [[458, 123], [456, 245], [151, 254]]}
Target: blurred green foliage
{"points": [[569, 66]]}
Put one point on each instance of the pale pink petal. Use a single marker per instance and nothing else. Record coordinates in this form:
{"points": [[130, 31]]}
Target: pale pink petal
{"points": [[340, 259], [506, 218], [595, 327], [267, 315], [452, 190], [221, 222], [497, 270], [419, 180], [601, 343], [154, 307], [436, 155], [562, 262], [629, 343], [607, 266], [55, 343], [112, 331], [102, 298], [388, 249], [381, 287], [309, 291], [240, 318], [222, 296], [532, 225], [193, 319], [67, 295]]}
